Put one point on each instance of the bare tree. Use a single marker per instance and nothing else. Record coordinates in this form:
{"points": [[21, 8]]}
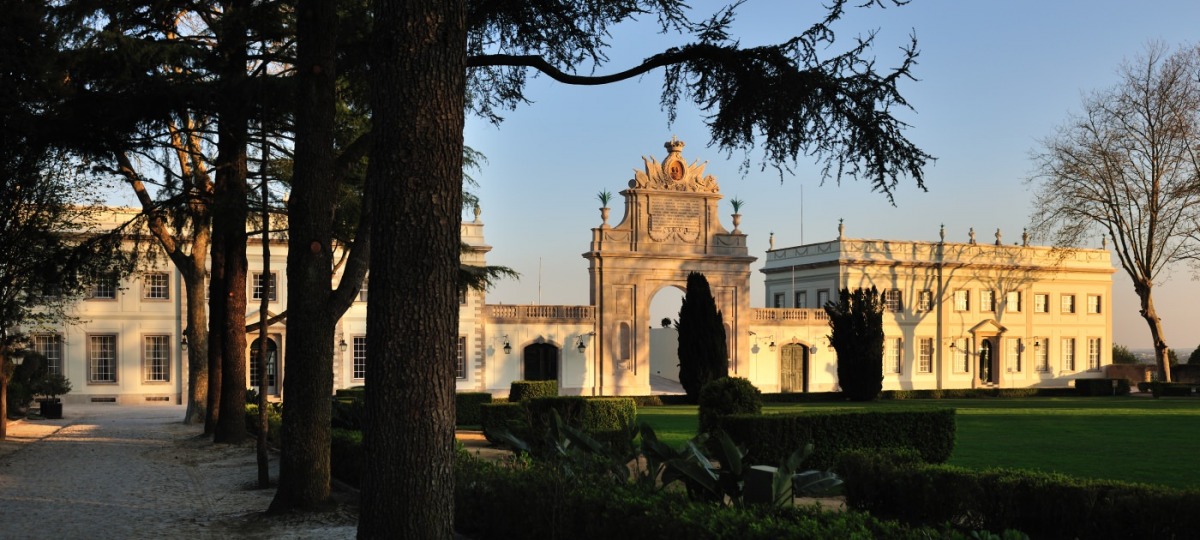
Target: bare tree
{"points": [[1127, 166]]}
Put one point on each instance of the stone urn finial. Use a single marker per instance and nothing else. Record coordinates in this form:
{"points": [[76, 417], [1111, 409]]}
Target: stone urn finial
{"points": [[841, 229], [771, 241], [942, 233], [477, 210], [1025, 237], [971, 235], [998, 237]]}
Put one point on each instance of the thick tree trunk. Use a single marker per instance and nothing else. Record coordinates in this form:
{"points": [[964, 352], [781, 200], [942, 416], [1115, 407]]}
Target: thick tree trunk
{"points": [[1161, 351], [415, 175], [229, 217], [197, 336], [3, 400], [304, 456]]}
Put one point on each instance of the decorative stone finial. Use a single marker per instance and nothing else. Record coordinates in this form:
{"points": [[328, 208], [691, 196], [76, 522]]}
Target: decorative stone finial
{"points": [[841, 229], [674, 145], [998, 237], [1104, 241], [477, 210], [1025, 237], [942, 233], [771, 241], [971, 235]]}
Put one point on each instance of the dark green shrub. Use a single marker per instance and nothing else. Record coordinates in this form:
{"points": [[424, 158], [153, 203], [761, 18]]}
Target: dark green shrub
{"points": [[527, 390], [769, 438], [22, 382], [1041, 504], [727, 395], [605, 419], [1143, 386], [466, 407], [513, 417], [356, 392], [346, 456], [1166, 389], [346, 413], [274, 421], [504, 502]]}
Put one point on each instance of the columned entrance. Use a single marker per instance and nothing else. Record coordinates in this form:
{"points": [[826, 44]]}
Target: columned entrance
{"points": [[986, 355], [670, 228], [987, 336], [272, 365]]}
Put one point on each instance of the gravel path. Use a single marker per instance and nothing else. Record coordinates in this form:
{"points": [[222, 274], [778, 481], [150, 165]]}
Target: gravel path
{"points": [[109, 471]]}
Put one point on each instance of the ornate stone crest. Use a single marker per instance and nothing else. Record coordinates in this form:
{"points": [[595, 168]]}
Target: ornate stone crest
{"points": [[674, 174]]}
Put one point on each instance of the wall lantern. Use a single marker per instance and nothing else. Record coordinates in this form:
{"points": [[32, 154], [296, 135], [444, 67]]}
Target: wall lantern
{"points": [[580, 344], [183, 342], [507, 345], [812, 349], [771, 347], [342, 346]]}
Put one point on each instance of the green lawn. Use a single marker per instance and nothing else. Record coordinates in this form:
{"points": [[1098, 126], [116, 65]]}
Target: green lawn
{"points": [[1133, 439]]}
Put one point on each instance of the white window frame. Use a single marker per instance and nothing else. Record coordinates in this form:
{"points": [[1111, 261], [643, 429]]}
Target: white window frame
{"points": [[925, 355], [893, 360], [460, 359], [777, 300], [153, 290], [1041, 303], [1041, 354], [104, 289], [156, 358], [800, 299], [102, 348], [822, 298], [256, 286], [1094, 304], [358, 358], [987, 300], [362, 291], [1067, 303], [1012, 352], [51, 347], [1094, 353], [1012, 302], [962, 356], [1068, 354], [893, 300], [925, 300], [962, 300]]}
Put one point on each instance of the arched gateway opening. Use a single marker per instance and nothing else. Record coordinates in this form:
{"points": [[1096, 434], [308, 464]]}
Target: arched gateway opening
{"points": [[670, 228], [540, 362]]}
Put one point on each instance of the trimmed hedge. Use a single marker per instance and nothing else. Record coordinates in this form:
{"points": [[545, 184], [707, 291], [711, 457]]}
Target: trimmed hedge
{"points": [[510, 415], [494, 502], [770, 438], [1102, 387], [603, 418], [466, 407], [1171, 389], [526, 390], [356, 392], [1042, 505], [948, 393], [725, 396]]}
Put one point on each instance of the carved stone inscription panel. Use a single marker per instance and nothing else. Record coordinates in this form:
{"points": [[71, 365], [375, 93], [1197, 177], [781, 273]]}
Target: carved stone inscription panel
{"points": [[679, 218]]}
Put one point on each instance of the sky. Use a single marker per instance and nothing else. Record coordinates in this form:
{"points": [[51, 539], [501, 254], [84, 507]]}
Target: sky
{"points": [[995, 78]]}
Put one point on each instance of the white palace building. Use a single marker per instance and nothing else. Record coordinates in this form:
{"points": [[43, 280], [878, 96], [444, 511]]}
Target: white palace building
{"points": [[959, 315]]}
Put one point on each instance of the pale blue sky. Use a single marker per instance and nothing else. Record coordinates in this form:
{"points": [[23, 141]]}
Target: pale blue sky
{"points": [[995, 76]]}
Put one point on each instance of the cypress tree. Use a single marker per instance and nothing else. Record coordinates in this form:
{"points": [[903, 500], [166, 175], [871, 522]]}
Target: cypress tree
{"points": [[703, 355], [856, 333]]}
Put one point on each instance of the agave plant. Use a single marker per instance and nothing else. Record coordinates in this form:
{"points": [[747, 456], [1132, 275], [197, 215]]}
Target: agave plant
{"points": [[604, 196], [737, 204]]}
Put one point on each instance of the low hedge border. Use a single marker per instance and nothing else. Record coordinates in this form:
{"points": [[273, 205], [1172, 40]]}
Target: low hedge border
{"points": [[494, 502], [466, 407], [1169, 389], [603, 418], [770, 438], [1102, 387], [948, 393], [1043, 505], [527, 390]]}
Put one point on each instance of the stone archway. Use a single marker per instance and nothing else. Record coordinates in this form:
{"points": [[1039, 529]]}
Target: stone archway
{"points": [[670, 228], [540, 362]]}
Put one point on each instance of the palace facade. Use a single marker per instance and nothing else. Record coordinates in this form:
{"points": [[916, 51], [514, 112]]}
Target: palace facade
{"points": [[959, 315]]}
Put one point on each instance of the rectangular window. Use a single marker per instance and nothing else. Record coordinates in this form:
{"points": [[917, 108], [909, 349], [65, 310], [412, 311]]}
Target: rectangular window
{"points": [[801, 299], [1041, 354], [362, 291], [105, 288], [925, 301], [1012, 352], [1068, 354], [1041, 303], [822, 297], [1012, 301], [460, 361], [1093, 303], [102, 358], [359, 356], [987, 300], [1094, 354], [156, 286], [962, 300], [925, 355], [257, 287], [891, 355], [50, 346], [462, 297], [893, 300], [157, 358], [962, 356], [1068, 303], [778, 300]]}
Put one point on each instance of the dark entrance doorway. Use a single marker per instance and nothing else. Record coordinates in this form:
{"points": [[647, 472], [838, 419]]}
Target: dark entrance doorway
{"points": [[793, 365], [985, 361], [541, 362], [272, 355]]}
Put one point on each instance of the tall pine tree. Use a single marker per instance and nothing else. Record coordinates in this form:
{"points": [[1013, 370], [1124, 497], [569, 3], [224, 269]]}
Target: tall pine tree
{"points": [[703, 355]]}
